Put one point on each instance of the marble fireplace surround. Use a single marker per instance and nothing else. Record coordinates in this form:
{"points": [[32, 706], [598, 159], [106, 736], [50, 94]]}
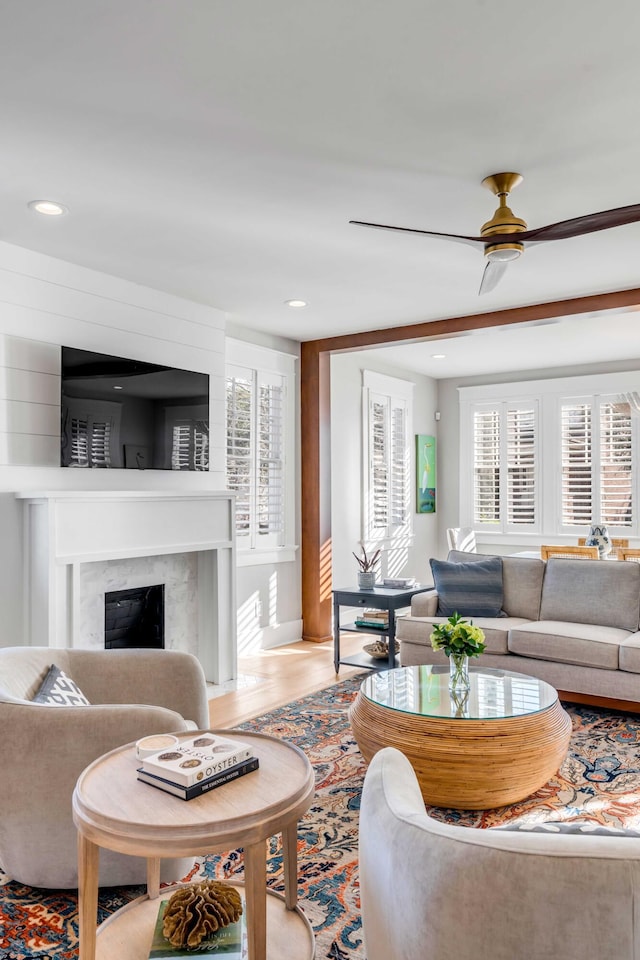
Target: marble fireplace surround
{"points": [[81, 544]]}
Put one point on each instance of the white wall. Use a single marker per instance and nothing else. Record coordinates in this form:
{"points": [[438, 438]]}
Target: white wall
{"points": [[45, 303], [347, 467], [450, 465]]}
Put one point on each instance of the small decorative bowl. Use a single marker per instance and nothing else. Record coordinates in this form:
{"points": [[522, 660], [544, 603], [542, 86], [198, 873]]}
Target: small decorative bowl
{"points": [[379, 649]]}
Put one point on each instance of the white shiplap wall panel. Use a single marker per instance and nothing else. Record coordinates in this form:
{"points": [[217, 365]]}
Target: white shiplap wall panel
{"points": [[46, 303], [20, 416], [39, 266], [30, 386], [29, 450]]}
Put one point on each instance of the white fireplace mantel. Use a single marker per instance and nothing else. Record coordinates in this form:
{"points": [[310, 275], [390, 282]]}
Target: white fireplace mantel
{"points": [[66, 529]]}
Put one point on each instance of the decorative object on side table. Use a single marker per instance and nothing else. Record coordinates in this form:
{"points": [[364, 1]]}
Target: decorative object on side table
{"points": [[367, 571], [598, 536], [379, 649], [459, 640]]}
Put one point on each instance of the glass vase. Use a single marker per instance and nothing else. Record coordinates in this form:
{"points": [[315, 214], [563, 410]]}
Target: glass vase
{"points": [[458, 672]]}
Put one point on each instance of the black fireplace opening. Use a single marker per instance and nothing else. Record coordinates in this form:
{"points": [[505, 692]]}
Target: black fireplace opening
{"points": [[134, 618]]}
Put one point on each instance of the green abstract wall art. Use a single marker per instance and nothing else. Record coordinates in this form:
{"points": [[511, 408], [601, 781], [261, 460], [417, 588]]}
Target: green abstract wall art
{"points": [[425, 474]]}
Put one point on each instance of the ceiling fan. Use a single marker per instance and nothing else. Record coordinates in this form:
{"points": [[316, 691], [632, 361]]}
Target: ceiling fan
{"points": [[505, 236]]}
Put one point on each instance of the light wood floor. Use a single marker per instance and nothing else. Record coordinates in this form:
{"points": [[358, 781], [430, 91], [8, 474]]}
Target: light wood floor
{"points": [[285, 673]]}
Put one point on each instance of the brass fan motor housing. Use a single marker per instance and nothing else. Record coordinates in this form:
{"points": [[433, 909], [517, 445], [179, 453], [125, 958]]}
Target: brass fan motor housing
{"points": [[503, 221]]}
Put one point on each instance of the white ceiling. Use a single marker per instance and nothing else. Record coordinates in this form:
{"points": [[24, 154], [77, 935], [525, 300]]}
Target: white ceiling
{"points": [[216, 149]]}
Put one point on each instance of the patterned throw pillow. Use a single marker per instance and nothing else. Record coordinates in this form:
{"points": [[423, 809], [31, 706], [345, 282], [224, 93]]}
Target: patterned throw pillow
{"points": [[583, 827], [59, 690], [471, 589]]}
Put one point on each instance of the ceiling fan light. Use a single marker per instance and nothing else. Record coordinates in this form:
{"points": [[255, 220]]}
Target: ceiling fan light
{"points": [[504, 252]]}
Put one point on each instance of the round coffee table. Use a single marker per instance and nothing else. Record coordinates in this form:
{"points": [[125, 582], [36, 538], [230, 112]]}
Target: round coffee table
{"points": [[500, 745], [112, 809]]}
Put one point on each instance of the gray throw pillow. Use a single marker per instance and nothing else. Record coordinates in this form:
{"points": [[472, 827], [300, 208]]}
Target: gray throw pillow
{"points": [[470, 589], [59, 690]]}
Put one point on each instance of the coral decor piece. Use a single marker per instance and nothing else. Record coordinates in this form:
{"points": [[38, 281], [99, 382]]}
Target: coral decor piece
{"points": [[198, 910]]}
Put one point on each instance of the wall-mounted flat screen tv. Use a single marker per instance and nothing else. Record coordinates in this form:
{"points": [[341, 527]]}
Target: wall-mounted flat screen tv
{"points": [[120, 413]]}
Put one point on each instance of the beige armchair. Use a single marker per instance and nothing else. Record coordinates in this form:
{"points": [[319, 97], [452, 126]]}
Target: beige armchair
{"points": [[44, 749], [436, 890]]}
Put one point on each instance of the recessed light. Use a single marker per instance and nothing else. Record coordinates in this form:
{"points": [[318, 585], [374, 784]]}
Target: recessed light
{"points": [[48, 208], [296, 303], [116, 387], [438, 356]]}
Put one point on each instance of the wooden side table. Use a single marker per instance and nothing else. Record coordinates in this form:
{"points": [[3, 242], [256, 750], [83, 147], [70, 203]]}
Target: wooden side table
{"points": [[112, 809], [379, 598]]}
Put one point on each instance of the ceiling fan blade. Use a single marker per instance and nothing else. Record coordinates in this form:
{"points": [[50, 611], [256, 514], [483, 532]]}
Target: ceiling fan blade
{"points": [[460, 238], [494, 270], [590, 223]]}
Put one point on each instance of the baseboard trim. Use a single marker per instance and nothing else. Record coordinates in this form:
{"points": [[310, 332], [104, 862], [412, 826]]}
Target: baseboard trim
{"points": [[288, 632]]}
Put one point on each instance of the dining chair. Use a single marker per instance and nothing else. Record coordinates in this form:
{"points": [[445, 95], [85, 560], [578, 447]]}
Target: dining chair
{"points": [[462, 538], [629, 553], [617, 544], [571, 553]]}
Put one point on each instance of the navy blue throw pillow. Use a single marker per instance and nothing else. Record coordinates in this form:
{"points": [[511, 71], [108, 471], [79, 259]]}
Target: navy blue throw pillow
{"points": [[470, 589]]}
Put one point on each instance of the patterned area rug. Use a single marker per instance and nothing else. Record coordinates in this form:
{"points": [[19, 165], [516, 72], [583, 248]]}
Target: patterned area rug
{"points": [[599, 782]]}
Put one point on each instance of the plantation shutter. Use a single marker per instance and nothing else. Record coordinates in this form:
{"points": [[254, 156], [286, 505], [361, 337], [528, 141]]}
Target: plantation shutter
{"points": [[255, 406], [577, 473], [521, 466], [486, 466], [387, 416], [270, 500], [616, 465], [399, 500], [239, 448], [380, 477], [389, 466]]}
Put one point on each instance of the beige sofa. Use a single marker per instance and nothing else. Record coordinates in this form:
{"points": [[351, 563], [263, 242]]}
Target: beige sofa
{"points": [[445, 892], [132, 693], [573, 623]]}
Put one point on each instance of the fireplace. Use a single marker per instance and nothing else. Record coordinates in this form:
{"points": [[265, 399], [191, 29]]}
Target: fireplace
{"points": [[134, 618], [82, 545]]}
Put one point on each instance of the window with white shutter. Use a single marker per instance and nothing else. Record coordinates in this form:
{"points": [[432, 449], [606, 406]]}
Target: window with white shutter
{"points": [[597, 463], [584, 469], [486, 466], [616, 464], [577, 478], [387, 434], [259, 464], [505, 465]]}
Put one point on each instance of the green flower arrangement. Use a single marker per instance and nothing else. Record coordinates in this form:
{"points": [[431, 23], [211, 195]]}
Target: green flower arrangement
{"points": [[458, 637]]}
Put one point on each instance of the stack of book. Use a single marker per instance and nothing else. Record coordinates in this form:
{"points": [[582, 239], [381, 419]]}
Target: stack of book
{"points": [[399, 583], [230, 942], [197, 764], [379, 619]]}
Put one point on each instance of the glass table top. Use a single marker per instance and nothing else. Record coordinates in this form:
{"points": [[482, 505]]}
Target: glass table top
{"points": [[424, 691]]}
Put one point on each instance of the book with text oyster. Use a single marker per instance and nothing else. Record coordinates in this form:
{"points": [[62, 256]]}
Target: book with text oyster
{"points": [[196, 758]]}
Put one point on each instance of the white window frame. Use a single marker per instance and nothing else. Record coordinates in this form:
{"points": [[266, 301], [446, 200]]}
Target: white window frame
{"points": [[395, 393], [467, 492], [264, 365], [550, 396]]}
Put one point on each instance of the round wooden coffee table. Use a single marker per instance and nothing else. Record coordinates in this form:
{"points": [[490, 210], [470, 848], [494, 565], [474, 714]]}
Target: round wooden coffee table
{"points": [[500, 745], [112, 809]]}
